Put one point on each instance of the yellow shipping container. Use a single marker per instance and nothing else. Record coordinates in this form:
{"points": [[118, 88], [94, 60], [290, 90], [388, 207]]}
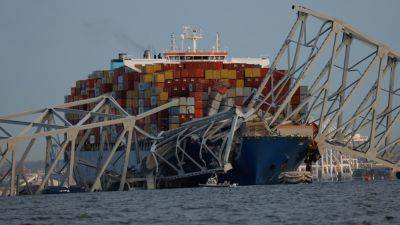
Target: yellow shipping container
{"points": [[209, 74], [169, 75], [224, 74], [173, 125], [156, 67], [248, 72], [148, 78], [163, 96], [232, 74], [256, 72], [160, 77], [240, 83], [149, 69], [217, 74]]}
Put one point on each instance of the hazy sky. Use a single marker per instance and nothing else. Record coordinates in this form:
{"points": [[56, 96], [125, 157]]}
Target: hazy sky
{"points": [[45, 46]]}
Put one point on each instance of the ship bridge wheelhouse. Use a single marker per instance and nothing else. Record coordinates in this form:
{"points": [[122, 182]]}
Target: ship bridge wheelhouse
{"points": [[196, 56]]}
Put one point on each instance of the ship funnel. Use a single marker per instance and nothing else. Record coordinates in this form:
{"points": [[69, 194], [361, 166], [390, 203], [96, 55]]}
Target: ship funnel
{"points": [[147, 54], [122, 56]]}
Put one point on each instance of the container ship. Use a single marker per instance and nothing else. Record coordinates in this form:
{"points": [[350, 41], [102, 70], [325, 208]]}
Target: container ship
{"points": [[206, 82]]}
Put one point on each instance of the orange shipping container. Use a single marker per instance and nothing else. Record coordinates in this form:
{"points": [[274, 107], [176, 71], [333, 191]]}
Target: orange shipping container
{"points": [[198, 104], [198, 113]]}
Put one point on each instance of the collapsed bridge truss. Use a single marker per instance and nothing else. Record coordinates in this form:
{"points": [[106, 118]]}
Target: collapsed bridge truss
{"points": [[352, 82], [352, 85]]}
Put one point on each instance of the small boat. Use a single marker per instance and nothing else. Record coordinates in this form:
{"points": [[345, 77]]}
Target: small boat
{"points": [[295, 177], [56, 190], [213, 182]]}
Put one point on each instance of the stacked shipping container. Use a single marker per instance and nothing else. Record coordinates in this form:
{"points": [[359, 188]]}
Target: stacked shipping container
{"points": [[203, 88]]}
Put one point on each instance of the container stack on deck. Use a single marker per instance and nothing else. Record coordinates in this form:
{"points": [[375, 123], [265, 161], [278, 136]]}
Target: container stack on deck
{"points": [[203, 88]]}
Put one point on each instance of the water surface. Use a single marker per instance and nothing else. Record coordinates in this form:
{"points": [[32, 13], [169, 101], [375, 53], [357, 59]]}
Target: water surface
{"points": [[317, 203]]}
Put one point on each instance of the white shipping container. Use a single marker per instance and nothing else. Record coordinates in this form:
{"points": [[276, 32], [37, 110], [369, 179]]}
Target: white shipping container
{"points": [[215, 104], [246, 91], [92, 139], [182, 101], [212, 111], [190, 109], [231, 93], [230, 101], [190, 101], [182, 109], [239, 92]]}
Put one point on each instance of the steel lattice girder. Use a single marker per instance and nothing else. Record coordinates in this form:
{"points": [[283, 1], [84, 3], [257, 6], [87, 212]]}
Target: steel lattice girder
{"points": [[356, 96], [47, 127]]}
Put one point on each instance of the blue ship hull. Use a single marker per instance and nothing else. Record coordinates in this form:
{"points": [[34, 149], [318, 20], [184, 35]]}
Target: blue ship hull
{"points": [[262, 159]]}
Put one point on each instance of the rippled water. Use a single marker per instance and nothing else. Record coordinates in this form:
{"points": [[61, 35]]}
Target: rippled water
{"points": [[318, 203]]}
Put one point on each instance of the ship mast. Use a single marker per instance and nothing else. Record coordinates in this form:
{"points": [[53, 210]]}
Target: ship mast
{"points": [[194, 35]]}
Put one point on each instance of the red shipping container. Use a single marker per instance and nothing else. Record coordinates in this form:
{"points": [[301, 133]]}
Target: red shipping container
{"points": [[199, 87], [199, 73], [90, 93], [132, 76], [264, 107], [90, 83], [198, 96], [221, 89], [122, 102], [119, 71], [248, 82], [168, 84], [120, 94], [217, 65], [198, 113], [70, 98], [239, 73], [177, 74], [232, 83], [129, 85], [295, 99], [159, 85], [176, 82], [73, 91], [198, 104], [105, 88], [239, 101], [256, 82], [184, 73], [263, 72]]}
